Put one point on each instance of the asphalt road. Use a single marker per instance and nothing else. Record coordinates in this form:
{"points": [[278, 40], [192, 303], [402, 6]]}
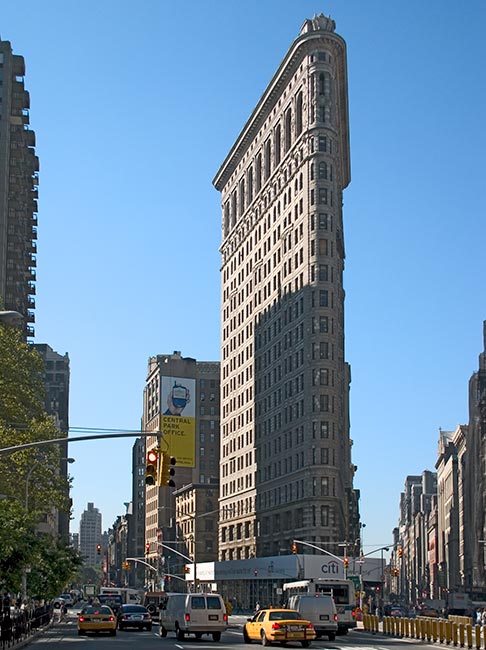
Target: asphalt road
{"points": [[64, 635]]}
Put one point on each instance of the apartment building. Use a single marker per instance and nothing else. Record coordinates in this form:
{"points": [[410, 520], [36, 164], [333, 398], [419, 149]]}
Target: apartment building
{"points": [[90, 535], [56, 403], [19, 167], [443, 515], [286, 468], [182, 394]]}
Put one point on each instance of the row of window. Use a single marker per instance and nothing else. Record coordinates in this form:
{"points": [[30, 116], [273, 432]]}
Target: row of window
{"points": [[236, 464], [264, 163]]}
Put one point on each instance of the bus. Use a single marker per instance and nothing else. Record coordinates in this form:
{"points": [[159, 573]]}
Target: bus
{"points": [[343, 592]]}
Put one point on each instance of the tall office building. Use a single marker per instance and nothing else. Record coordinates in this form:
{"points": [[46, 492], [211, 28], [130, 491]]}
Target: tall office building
{"points": [[56, 403], [187, 513], [137, 521], [286, 469], [19, 168], [90, 535]]}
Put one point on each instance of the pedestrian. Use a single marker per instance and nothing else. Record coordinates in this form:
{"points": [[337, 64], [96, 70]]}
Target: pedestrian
{"points": [[483, 617]]}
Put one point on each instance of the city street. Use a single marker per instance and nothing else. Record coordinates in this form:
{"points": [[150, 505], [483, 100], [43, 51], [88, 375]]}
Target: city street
{"points": [[65, 634]]}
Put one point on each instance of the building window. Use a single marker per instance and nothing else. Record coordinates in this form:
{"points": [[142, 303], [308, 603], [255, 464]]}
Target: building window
{"points": [[324, 486], [250, 184], [324, 429], [277, 144], [323, 350], [298, 115], [323, 298], [258, 173], [288, 129], [324, 515], [268, 159]]}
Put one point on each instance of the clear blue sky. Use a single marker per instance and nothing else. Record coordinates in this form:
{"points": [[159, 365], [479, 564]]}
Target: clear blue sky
{"points": [[135, 106]]}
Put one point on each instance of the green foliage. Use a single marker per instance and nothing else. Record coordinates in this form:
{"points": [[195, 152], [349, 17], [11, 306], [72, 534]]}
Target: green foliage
{"points": [[30, 484], [16, 543], [54, 568]]}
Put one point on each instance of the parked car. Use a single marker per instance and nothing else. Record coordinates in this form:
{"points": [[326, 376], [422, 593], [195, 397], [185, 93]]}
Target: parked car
{"points": [[278, 626], [134, 616], [398, 612], [68, 599], [430, 612], [96, 618]]}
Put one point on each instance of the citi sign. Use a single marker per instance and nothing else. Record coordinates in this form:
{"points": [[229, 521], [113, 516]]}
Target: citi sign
{"points": [[331, 568]]}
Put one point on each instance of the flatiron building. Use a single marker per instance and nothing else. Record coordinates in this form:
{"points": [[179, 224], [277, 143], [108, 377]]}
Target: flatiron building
{"points": [[286, 469]]}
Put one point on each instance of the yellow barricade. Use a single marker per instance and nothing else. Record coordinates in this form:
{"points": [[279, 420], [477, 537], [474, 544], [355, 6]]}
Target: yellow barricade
{"points": [[468, 628], [477, 636], [435, 629], [454, 632], [460, 629], [448, 631], [441, 630]]}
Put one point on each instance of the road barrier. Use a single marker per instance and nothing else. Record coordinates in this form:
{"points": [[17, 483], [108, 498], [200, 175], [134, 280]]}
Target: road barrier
{"points": [[457, 631]]}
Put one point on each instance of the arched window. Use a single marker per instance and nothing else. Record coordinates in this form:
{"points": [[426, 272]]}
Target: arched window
{"points": [[233, 209], [226, 219], [288, 129], [268, 159], [323, 170], [277, 144], [298, 115], [242, 195], [258, 173], [250, 184]]}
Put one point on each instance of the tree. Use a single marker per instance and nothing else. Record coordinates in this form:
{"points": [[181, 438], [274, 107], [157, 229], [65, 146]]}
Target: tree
{"points": [[30, 484]]}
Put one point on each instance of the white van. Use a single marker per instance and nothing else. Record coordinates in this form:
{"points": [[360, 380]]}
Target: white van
{"points": [[196, 614], [320, 610]]}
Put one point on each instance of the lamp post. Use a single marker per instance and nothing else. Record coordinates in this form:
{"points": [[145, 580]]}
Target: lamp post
{"points": [[191, 536], [11, 318], [361, 562], [194, 538], [29, 474]]}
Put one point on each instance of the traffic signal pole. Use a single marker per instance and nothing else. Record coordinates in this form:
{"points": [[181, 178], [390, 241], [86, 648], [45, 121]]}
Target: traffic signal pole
{"points": [[53, 441]]}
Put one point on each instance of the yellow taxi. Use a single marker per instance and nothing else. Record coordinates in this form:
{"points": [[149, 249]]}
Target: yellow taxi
{"points": [[96, 618], [278, 626]]}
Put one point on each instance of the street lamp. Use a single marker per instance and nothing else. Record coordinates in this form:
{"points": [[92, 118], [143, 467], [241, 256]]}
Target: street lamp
{"points": [[11, 318], [361, 562], [29, 474], [189, 537]]}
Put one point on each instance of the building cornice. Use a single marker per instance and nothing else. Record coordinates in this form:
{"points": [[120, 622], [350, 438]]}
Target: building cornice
{"points": [[300, 47]]}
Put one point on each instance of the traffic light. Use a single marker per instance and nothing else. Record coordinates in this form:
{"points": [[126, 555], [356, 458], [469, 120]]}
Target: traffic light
{"points": [[294, 548], [396, 572], [346, 562], [98, 549], [147, 548], [151, 469], [126, 565], [187, 569], [166, 470], [400, 552]]}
